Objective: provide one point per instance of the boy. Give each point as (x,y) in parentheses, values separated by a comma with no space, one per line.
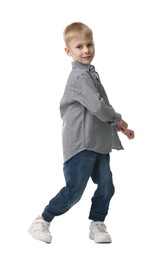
(90,126)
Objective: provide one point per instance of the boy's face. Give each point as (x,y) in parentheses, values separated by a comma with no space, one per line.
(81,50)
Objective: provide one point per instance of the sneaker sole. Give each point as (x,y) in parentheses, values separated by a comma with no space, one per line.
(106,240)
(48,241)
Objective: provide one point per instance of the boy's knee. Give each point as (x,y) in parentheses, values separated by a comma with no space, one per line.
(111,191)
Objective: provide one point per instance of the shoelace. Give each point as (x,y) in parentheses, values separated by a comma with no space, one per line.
(101,227)
(45,227)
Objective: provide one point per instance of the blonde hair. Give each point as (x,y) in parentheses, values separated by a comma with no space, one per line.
(76,29)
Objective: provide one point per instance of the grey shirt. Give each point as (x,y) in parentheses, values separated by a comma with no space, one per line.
(89,121)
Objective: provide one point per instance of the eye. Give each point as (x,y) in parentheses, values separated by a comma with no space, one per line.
(78,46)
(90,44)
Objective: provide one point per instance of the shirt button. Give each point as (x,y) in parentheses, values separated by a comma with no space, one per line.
(91,67)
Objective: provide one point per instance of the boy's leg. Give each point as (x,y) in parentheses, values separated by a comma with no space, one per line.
(77,171)
(102,176)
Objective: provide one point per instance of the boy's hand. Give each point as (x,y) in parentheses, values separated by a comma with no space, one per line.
(129,133)
(122,126)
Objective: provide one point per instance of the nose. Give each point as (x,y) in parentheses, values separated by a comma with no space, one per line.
(86,49)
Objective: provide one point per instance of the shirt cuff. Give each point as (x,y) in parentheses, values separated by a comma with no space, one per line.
(117,119)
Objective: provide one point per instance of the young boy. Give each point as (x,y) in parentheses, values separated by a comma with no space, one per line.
(90,126)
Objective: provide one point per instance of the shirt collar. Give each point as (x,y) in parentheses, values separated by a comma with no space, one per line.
(87,67)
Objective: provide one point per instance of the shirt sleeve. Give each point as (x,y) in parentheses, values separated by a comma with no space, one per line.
(87,94)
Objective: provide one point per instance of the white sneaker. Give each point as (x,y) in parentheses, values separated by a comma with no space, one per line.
(98,232)
(40,230)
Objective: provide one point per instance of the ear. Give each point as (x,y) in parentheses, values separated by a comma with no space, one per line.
(68,52)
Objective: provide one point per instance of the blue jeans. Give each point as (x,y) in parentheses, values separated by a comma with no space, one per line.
(77,172)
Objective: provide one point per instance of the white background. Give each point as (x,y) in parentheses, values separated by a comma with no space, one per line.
(130,39)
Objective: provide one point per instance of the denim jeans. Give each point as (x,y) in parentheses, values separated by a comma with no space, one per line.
(77,171)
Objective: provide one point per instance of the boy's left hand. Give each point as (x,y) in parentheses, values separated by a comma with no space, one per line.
(129,133)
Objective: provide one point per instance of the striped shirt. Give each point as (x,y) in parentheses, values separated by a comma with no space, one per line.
(89,121)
